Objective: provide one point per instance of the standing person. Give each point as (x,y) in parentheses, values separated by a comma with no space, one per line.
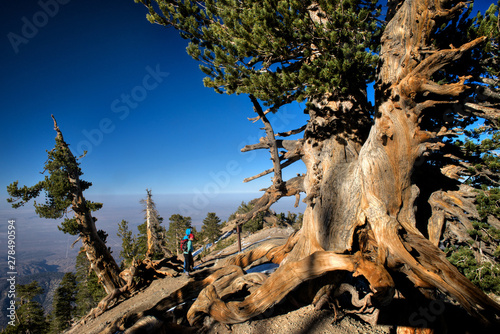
(191,250)
(188,253)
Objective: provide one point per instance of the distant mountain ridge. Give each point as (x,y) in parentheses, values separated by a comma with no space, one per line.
(47,275)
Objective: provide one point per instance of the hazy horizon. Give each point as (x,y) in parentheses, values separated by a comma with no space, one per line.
(37,237)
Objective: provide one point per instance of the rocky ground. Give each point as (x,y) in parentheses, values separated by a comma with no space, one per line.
(296,321)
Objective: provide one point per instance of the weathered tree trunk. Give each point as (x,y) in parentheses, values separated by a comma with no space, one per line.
(360,214)
(98,254)
(116,283)
(396,141)
(360,196)
(332,142)
(149,224)
(154,243)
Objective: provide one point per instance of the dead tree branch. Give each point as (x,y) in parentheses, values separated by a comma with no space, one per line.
(273,147)
(270,170)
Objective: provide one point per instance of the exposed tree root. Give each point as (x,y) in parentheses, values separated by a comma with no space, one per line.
(147,270)
(323,295)
(426,266)
(230,269)
(432,267)
(267,250)
(153,266)
(413,330)
(284,280)
(147,324)
(264,292)
(404,249)
(366,310)
(185,294)
(220,294)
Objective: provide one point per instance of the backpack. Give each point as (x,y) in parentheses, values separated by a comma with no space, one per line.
(184,245)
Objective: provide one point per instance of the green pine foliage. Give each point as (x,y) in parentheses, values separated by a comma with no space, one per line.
(485,275)
(480,148)
(176,231)
(64,304)
(211,228)
(278,51)
(479,258)
(89,291)
(142,238)
(291,219)
(30,314)
(58,191)
(136,246)
(130,246)
(487,25)
(287,220)
(254,224)
(297,225)
(488,202)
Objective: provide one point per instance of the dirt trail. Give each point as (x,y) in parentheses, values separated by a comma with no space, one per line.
(302,320)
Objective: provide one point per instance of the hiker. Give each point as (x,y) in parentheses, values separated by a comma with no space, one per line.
(188,253)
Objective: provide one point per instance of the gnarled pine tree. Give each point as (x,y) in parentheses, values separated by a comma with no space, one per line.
(64,193)
(368,168)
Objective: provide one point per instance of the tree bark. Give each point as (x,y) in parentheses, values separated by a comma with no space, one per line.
(149,225)
(332,142)
(388,157)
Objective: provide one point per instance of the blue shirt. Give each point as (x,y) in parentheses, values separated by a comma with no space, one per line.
(189,247)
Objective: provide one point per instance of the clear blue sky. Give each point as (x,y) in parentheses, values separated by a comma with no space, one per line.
(126,91)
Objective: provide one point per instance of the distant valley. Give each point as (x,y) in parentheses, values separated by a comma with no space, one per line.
(44,254)
(48,276)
